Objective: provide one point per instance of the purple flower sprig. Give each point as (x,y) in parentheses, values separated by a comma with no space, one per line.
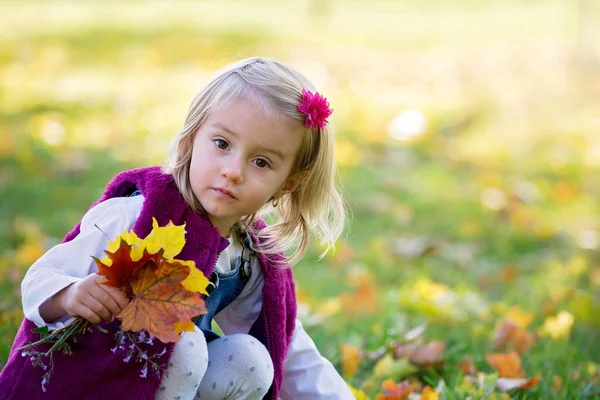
(132,344)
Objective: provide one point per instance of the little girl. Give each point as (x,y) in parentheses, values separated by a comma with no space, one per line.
(255,142)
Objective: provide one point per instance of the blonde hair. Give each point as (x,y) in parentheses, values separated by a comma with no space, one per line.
(316,205)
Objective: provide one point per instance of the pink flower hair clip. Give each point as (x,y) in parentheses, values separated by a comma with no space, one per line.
(316,108)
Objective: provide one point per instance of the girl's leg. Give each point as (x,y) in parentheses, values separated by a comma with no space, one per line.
(239,367)
(186,368)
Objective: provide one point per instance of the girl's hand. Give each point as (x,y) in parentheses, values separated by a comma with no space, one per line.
(92,300)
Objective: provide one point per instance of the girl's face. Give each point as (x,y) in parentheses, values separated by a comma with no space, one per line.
(241,159)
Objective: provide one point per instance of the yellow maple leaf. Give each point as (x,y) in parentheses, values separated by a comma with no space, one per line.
(559,326)
(170,238)
(137,248)
(359,394)
(350,360)
(196,281)
(429,394)
(518,316)
(183,326)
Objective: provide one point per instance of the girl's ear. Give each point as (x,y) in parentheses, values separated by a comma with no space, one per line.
(291,184)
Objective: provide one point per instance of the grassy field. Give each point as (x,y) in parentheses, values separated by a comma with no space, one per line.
(468,147)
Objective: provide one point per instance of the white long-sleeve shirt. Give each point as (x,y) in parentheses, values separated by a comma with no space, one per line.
(307,375)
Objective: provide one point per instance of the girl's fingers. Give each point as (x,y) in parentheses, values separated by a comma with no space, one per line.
(105,299)
(84,312)
(117,296)
(97,307)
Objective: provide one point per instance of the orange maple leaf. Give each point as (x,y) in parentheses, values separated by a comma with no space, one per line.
(119,273)
(393,391)
(160,300)
(531,383)
(507,365)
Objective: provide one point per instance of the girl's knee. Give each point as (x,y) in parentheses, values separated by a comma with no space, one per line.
(240,367)
(187,367)
(256,361)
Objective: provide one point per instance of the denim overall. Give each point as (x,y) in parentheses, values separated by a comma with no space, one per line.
(224,287)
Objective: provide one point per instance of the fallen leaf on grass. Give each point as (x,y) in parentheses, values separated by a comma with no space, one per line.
(557,383)
(389,368)
(468,367)
(363,299)
(506,384)
(507,365)
(359,394)
(510,336)
(518,316)
(429,394)
(394,391)
(559,326)
(350,360)
(423,355)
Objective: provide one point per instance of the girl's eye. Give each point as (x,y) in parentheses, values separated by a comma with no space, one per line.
(260,163)
(221,144)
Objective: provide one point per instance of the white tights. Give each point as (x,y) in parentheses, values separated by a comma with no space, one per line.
(232,367)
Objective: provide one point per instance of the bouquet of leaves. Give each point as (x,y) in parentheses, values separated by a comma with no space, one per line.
(164,294)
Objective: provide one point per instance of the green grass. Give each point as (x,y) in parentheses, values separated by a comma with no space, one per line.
(87,93)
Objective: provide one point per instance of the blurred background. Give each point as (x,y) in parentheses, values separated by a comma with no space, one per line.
(468,138)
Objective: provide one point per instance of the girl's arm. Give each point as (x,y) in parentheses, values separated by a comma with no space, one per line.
(72,261)
(308,375)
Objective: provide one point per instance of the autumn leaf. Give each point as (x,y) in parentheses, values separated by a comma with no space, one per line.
(507,365)
(559,326)
(393,391)
(363,299)
(557,383)
(468,367)
(518,317)
(531,383)
(509,336)
(164,293)
(160,301)
(387,366)
(184,326)
(359,394)
(423,355)
(170,238)
(350,360)
(132,240)
(196,280)
(429,394)
(121,266)
(506,384)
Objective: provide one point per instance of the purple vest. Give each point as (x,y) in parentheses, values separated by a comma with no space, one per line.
(93,371)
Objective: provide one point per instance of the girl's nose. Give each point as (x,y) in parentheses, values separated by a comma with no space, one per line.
(233,172)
